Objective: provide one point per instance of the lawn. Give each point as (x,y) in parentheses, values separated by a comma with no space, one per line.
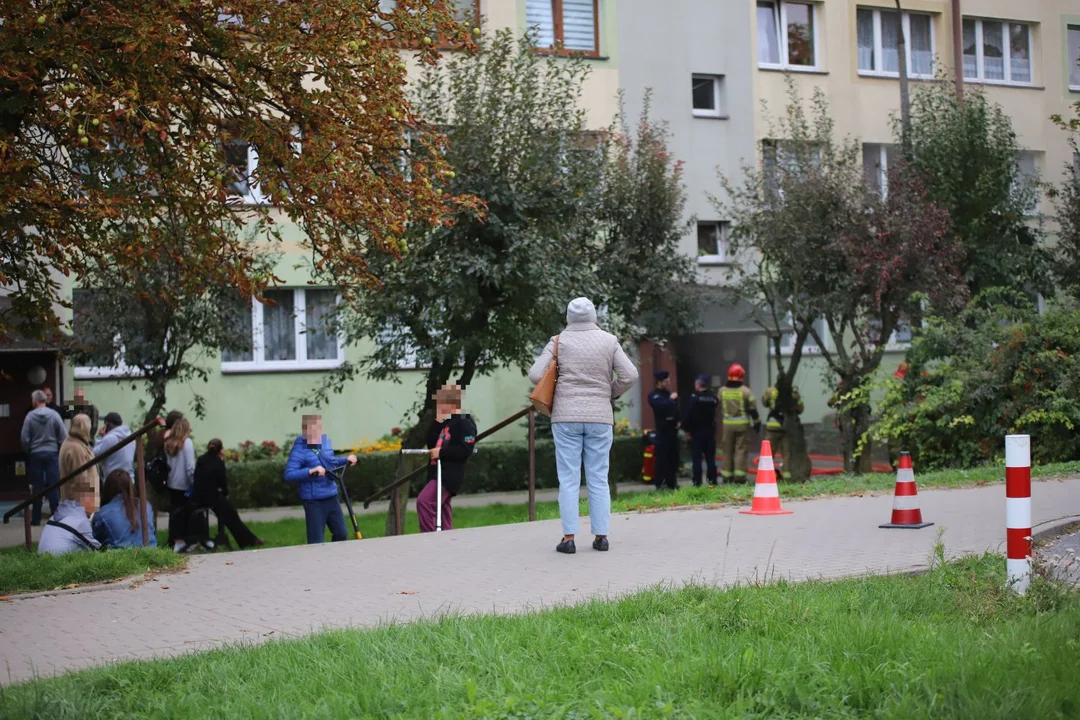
(22,571)
(951,643)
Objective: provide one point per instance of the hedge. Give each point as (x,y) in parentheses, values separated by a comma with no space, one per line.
(499,467)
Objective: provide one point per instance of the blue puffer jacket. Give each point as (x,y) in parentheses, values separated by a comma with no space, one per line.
(301,460)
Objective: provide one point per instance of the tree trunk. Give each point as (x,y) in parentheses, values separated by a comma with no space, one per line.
(799,464)
(854,424)
(399,498)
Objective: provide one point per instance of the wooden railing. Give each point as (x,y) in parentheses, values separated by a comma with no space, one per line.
(140,474)
(527,412)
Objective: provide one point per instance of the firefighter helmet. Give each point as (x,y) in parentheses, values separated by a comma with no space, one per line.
(736,372)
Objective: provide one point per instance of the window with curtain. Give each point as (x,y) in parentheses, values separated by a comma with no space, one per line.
(1074,56)
(712,241)
(569,25)
(878,33)
(787,35)
(996,51)
(293,330)
(876,161)
(1028,178)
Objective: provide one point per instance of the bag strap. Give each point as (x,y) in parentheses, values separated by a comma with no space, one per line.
(73,531)
(555,355)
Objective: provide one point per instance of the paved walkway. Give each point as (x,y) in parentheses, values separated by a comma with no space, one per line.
(256,595)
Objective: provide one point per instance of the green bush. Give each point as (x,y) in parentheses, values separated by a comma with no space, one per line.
(998,368)
(499,467)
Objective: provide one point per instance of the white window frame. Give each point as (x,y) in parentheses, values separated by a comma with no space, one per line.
(1072,60)
(883,166)
(259,363)
(254,195)
(787,339)
(720,258)
(119,370)
(1006,40)
(781,37)
(879,49)
(718,109)
(1036,209)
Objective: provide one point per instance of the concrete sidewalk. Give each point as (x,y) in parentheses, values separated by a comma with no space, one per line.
(253,596)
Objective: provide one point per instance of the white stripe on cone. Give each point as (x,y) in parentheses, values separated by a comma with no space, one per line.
(765,463)
(1018,513)
(905,502)
(766,490)
(1017,451)
(905,475)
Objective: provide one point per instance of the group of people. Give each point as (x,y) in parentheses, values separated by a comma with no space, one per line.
(738,410)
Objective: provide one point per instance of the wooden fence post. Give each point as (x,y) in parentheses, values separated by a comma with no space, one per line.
(140,474)
(532,464)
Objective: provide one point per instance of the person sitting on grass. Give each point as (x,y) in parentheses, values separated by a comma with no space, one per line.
(211,490)
(451,439)
(69,527)
(118,524)
(307,467)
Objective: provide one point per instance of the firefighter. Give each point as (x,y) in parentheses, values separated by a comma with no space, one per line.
(738,407)
(775,430)
(666,413)
(700,425)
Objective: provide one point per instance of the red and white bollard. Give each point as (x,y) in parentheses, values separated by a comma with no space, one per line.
(1018,511)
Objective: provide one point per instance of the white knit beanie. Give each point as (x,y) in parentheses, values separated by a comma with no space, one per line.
(580,310)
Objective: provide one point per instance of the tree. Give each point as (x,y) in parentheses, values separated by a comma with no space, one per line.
(647,284)
(1066,199)
(968,154)
(113,111)
(163,336)
(787,216)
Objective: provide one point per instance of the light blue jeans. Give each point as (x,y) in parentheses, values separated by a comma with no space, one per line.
(587,444)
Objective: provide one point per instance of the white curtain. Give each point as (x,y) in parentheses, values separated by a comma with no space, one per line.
(767,34)
(279,326)
(321,340)
(241,323)
(922,54)
(540,18)
(971,60)
(1019,53)
(1074,56)
(993,51)
(890,49)
(579,25)
(865,32)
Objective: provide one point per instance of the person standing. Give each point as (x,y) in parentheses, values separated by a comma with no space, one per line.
(700,425)
(665,407)
(739,407)
(180,451)
(75,452)
(113,431)
(451,440)
(307,467)
(593,372)
(42,435)
(775,428)
(211,489)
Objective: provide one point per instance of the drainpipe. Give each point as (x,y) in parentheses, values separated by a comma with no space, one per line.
(958,47)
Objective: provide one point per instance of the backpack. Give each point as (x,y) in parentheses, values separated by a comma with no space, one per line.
(157,470)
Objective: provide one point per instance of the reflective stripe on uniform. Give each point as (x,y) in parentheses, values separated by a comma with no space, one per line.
(774,425)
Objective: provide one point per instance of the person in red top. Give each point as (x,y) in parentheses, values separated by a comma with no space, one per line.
(451,440)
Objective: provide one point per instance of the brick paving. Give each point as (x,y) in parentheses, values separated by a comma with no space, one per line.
(250,597)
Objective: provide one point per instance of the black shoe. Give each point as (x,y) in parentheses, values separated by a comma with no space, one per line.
(600,543)
(35,524)
(566,546)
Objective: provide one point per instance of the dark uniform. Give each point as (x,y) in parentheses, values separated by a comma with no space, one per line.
(666,414)
(701,426)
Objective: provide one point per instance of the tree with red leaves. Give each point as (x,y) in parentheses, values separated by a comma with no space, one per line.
(120,119)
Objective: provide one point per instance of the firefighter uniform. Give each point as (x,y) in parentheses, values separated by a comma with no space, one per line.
(738,407)
(701,426)
(666,413)
(775,431)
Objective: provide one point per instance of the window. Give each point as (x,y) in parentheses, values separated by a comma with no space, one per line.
(1028,179)
(706,91)
(997,51)
(899,339)
(465,11)
(292,331)
(103,362)
(712,242)
(570,25)
(810,347)
(786,35)
(878,42)
(1074,57)
(876,162)
(242,158)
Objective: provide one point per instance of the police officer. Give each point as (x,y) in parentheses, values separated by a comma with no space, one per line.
(700,425)
(666,414)
(738,406)
(775,431)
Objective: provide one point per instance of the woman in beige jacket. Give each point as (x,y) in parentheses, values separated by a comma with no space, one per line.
(76,451)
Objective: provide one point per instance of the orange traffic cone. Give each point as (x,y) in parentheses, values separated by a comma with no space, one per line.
(766,494)
(905,509)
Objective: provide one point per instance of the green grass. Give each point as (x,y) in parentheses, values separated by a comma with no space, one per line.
(948,644)
(22,571)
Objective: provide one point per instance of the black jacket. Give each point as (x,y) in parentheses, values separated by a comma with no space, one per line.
(211,480)
(701,413)
(665,412)
(458,438)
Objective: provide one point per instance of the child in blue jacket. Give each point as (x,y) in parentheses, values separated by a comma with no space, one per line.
(308,466)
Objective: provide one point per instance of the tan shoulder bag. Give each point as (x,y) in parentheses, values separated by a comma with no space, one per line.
(543,395)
